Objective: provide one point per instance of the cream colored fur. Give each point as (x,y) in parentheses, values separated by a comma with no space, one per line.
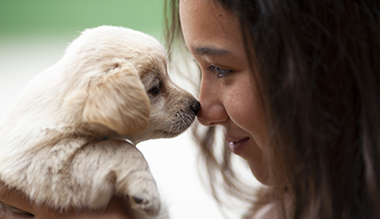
(64,145)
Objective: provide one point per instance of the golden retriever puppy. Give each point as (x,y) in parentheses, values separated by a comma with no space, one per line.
(63,143)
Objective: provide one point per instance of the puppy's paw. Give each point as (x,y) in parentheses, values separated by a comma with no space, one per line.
(144,196)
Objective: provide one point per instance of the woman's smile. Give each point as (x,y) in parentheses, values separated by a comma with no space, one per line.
(237,144)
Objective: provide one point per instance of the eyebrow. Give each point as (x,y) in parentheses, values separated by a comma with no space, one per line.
(210,51)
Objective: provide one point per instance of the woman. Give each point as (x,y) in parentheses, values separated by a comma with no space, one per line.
(294,86)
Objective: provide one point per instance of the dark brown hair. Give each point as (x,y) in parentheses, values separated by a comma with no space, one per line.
(318,67)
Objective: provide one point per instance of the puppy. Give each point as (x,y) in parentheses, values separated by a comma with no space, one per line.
(63,143)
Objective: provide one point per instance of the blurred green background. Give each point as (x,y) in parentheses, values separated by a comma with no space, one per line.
(37,17)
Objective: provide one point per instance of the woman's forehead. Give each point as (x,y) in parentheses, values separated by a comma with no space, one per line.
(213,11)
(206,24)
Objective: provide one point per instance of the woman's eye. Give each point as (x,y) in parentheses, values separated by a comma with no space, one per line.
(154,91)
(220,71)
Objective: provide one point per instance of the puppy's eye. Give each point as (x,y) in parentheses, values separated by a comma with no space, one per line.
(155,91)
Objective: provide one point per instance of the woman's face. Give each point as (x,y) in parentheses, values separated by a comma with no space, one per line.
(228,93)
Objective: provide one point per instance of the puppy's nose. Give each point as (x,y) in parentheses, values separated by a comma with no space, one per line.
(196,106)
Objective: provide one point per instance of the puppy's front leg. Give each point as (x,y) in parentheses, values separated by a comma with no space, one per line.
(115,166)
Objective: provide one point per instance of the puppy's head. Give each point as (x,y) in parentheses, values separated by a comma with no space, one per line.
(120,79)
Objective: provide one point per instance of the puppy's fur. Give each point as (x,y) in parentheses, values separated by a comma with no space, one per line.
(63,143)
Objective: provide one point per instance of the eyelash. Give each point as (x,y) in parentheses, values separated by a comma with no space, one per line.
(221,72)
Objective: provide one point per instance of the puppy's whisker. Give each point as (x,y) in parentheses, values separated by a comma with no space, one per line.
(171,127)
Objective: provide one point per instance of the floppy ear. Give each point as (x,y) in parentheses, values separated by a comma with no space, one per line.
(118,100)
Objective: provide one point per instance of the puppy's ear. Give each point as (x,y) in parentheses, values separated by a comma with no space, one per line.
(118,100)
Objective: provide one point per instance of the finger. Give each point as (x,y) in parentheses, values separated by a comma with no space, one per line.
(116,209)
(15,198)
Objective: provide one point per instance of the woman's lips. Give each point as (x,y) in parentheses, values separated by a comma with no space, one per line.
(237,146)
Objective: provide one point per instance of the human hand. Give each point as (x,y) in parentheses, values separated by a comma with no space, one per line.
(117,208)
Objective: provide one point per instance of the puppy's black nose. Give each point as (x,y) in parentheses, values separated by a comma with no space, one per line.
(196,106)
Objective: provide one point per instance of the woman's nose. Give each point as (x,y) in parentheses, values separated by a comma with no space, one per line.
(212,110)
